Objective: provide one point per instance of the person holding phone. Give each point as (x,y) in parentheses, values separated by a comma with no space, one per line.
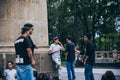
(54,51)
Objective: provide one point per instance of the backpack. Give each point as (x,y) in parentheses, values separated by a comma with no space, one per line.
(45,76)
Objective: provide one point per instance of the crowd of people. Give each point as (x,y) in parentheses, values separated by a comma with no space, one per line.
(24,48)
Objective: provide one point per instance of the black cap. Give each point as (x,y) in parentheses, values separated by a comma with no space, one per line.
(55,38)
(28,25)
(25,29)
(69,37)
(88,35)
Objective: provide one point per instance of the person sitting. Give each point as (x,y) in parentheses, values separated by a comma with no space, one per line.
(10,73)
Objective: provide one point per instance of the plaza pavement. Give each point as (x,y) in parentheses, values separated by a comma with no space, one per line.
(98,72)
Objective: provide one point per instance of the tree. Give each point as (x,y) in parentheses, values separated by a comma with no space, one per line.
(76,17)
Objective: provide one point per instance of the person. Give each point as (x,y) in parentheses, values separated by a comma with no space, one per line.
(0,75)
(10,73)
(70,57)
(29,37)
(109,75)
(24,56)
(89,57)
(54,50)
(33,46)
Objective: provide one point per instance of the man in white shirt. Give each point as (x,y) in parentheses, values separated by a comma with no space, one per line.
(10,73)
(54,50)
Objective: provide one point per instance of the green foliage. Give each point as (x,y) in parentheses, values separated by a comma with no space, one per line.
(76,17)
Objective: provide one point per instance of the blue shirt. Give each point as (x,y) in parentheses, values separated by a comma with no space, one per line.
(71,52)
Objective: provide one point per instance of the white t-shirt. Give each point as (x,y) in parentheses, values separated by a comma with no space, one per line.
(54,47)
(10,74)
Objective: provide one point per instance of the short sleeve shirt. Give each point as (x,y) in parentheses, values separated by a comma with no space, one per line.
(10,74)
(71,52)
(32,44)
(90,52)
(21,45)
(54,47)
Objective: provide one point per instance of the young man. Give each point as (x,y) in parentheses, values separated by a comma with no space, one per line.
(31,31)
(54,50)
(70,57)
(33,46)
(24,56)
(89,57)
(10,73)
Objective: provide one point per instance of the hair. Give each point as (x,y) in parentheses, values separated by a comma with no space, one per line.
(88,35)
(10,62)
(69,37)
(24,29)
(109,75)
(55,38)
(28,25)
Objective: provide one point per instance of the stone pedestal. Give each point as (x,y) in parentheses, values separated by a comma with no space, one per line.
(13,15)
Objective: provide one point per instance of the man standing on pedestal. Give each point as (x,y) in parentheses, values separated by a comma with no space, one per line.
(24,56)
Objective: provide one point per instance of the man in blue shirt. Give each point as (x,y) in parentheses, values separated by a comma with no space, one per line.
(70,57)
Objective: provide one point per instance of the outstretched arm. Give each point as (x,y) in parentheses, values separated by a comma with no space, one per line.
(76,50)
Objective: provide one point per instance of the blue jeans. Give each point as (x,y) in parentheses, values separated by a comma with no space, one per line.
(24,72)
(89,72)
(70,70)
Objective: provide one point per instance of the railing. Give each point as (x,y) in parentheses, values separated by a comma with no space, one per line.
(100,57)
(107,56)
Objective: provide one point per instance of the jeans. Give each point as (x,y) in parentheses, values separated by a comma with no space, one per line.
(58,67)
(88,72)
(70,70)
(24,72)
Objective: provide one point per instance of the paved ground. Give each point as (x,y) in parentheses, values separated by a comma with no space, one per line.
(97,73)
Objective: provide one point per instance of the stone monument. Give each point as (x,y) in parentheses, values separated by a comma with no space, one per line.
(13,15)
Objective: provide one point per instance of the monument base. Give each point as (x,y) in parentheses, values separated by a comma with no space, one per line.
(44,63)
